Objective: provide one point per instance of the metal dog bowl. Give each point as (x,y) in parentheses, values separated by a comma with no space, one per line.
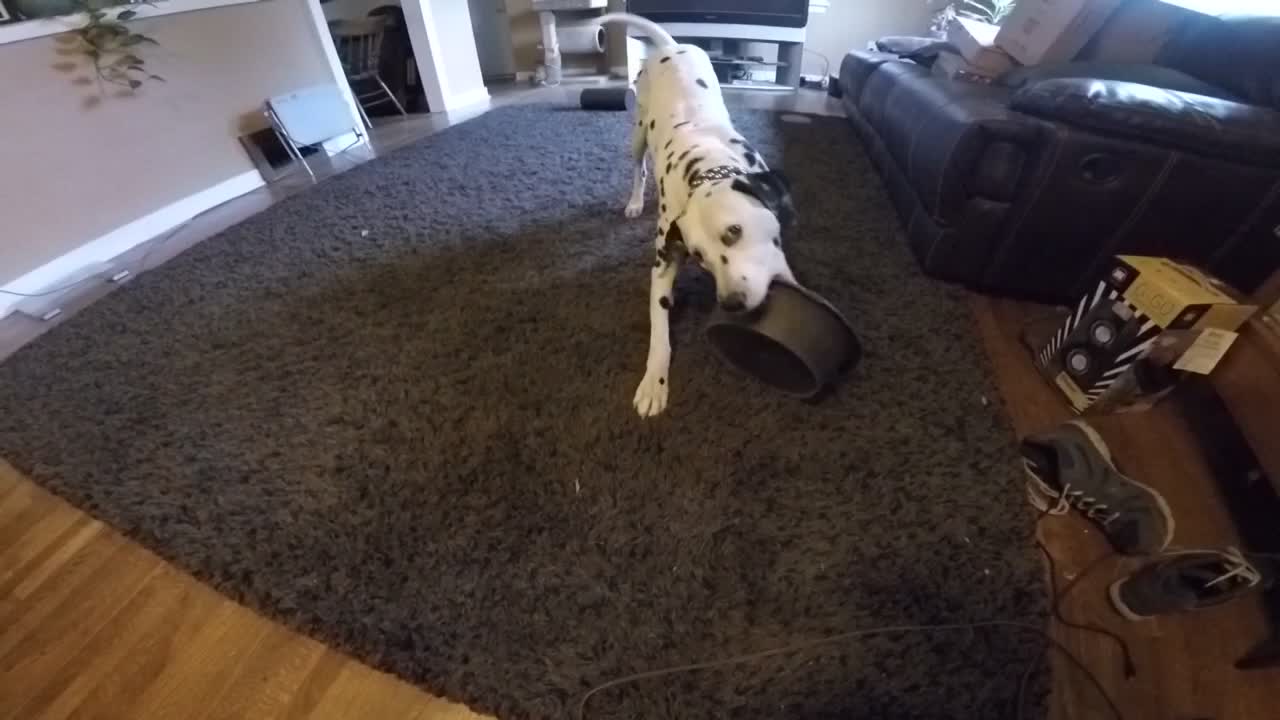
(796,341)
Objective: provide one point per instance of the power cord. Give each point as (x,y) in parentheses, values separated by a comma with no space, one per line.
(826,69)
(155,244)
(1056,598)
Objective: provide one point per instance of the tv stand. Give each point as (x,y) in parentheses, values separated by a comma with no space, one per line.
(723,42)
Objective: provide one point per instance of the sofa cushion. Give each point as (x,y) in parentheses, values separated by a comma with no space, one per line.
(1241,54)
(903,44)
(1142,74)
(857,66)
(1204,125)
(953,141)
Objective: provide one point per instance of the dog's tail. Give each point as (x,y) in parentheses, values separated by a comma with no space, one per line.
(650,28)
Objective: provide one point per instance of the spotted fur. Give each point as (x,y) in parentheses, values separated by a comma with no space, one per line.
(682,121)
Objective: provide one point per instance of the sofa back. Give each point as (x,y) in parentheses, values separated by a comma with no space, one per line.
(1241,54)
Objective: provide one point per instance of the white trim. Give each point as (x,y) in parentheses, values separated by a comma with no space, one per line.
(42,27)
(106,248)
(467,99)
(342,143)
(454,80)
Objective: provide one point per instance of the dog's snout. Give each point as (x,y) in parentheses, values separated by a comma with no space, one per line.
(734,302)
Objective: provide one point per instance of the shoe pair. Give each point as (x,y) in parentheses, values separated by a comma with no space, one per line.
(1070,468)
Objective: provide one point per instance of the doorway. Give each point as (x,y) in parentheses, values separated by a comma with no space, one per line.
(492,27)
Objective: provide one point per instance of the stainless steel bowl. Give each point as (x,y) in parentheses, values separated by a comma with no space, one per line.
(796,341)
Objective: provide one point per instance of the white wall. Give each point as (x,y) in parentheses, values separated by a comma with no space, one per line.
(851,24)
(70,173)
(444,45)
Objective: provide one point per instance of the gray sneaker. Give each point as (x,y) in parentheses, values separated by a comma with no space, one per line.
(1185,580)
(1070,468)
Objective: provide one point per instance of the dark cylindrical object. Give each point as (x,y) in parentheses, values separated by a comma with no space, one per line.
(796,342)
(608,98)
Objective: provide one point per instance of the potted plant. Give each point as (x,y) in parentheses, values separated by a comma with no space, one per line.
(988,11)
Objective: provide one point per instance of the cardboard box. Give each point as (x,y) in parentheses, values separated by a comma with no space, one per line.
(1052,31)
(1145,325)
(976,42)
(953,67)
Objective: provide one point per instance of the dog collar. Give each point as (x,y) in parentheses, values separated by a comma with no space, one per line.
(719,172)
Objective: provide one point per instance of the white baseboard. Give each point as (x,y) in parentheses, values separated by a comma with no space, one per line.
(466,99)
(107,247)
(342,143)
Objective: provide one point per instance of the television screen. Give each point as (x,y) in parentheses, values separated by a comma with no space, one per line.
(779,13)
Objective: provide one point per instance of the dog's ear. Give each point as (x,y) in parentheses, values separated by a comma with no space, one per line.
(772,190)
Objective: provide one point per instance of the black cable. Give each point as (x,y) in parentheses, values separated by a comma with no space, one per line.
(1056,597)
(1055,606)
(968,627)
(809,644)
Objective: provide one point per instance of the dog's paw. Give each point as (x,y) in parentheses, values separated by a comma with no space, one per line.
(651,396)
(634,209)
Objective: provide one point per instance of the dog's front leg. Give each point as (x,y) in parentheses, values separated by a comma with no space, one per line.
(651,396)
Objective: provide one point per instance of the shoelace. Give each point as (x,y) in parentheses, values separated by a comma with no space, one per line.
(1238,567)
(1092,509)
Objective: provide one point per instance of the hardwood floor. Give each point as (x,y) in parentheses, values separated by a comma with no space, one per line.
(1184,663)
(94,626)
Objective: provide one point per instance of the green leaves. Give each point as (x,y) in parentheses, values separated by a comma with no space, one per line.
(988,11)
(109,44)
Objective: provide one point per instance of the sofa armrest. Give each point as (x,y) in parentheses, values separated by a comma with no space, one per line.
(903,44)
(1209,126)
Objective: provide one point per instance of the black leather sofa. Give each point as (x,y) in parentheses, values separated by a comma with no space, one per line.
(1027,186)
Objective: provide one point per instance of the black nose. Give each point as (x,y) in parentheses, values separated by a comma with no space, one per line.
(737,302)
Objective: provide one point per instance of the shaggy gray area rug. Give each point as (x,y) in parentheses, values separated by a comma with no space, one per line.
(395,412)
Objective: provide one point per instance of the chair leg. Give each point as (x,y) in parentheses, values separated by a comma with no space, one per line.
(289,145)
(363,115)
(390,94)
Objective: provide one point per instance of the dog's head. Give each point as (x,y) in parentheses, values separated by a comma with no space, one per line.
(734,230)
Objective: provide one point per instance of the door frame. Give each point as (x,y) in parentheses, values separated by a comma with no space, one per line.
(419,17)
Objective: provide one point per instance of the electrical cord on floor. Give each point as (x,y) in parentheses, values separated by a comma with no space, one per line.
(1130,669)
(826,70)
(141,265)
(1024,680)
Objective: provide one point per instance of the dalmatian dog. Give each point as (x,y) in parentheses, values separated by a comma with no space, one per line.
(718,202)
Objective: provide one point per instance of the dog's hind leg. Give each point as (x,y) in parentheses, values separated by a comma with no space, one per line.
(635,205)
(651,395)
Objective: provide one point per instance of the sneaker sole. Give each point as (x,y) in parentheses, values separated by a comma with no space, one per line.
(1040,495)
(1113,593)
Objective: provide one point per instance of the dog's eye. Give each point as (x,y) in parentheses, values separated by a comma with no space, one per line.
(731,235)
(735,230)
